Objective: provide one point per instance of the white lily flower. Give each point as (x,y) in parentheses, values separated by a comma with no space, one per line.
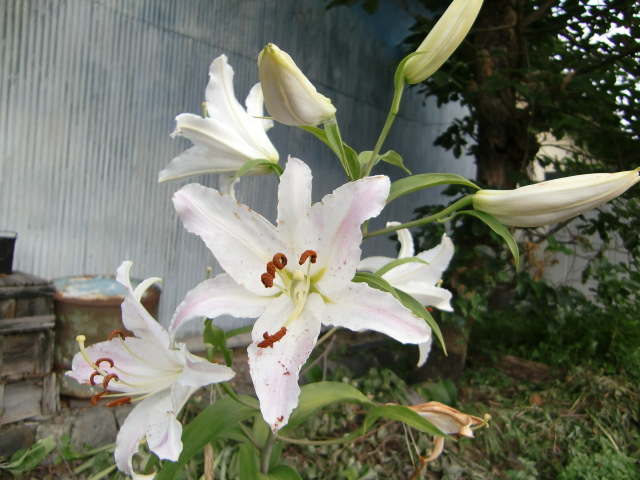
(228,136)
(288,94)
(554,200)
(446,35)
(419,279)
(148,369)
(295,276)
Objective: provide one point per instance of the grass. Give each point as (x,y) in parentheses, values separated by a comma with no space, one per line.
(571,423)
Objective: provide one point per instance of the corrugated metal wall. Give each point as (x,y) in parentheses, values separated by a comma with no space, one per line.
(89,90)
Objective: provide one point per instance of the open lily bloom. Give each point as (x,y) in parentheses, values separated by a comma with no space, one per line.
(229,136)
(295,276)
(419,278)
(145,368)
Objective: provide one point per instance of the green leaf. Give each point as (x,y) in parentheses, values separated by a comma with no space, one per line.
(277,169)
(281,472)
(425,180)
(400,261)
(347,155)
(215,336)
(238,331)
(248,467)
(210,423)
(404,415)
(420,311)
(394,158)
(497,227)
(24,461)
(391,157)
(375,281)
(316,396)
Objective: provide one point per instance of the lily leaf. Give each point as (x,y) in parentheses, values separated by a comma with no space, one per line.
(24,461)
(421,311)
(277,169)
(248,467)
(400,261)
(404,415)
(347,155)
(375,281)
(316,396)
(426,180)
(216,337)
(391,157)
(281,472)
(211,422)
(499,228)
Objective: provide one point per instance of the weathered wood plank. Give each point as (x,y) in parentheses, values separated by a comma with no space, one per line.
(24,324)
(26,399)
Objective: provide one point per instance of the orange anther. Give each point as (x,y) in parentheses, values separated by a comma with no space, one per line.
(271,269)
(269,340)
(310,254)
(119,401)
(96,398)
(92,376)
(108,360)
(280,261)
(267,279)
(108,378)
(119,333)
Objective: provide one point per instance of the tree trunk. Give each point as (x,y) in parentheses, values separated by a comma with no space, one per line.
(505,144)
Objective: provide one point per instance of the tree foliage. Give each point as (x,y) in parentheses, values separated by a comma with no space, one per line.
(535,72)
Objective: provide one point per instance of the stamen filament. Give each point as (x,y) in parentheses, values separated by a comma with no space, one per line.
(81,339)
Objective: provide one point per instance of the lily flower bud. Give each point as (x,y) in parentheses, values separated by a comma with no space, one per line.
(555,200)
(289,96)
(446,35)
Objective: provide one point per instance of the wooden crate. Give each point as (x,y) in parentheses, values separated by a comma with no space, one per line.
(27,383)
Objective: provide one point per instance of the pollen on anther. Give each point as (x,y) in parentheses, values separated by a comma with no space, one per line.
(104,359)
(280,261)
(271,269)
(108,378)
(119,401)
(308,254)
(267,279)
(92,376)
(118,333)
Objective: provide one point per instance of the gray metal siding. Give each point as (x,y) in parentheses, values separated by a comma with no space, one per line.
(89,90)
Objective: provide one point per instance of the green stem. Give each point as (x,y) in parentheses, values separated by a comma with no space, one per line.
(352,437)
(265,454)
(326,336)
(393,111)
(233,394)
(463,202)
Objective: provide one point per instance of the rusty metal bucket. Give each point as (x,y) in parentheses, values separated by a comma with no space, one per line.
(89,305)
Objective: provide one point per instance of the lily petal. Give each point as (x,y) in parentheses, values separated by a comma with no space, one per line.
(275,369)
(429,295)
(131,432)
(360,307)
(294,196)
(333,228)
(241,240)
(223,107)
(163,430)
(135,317)
(255,107)
(215,297)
